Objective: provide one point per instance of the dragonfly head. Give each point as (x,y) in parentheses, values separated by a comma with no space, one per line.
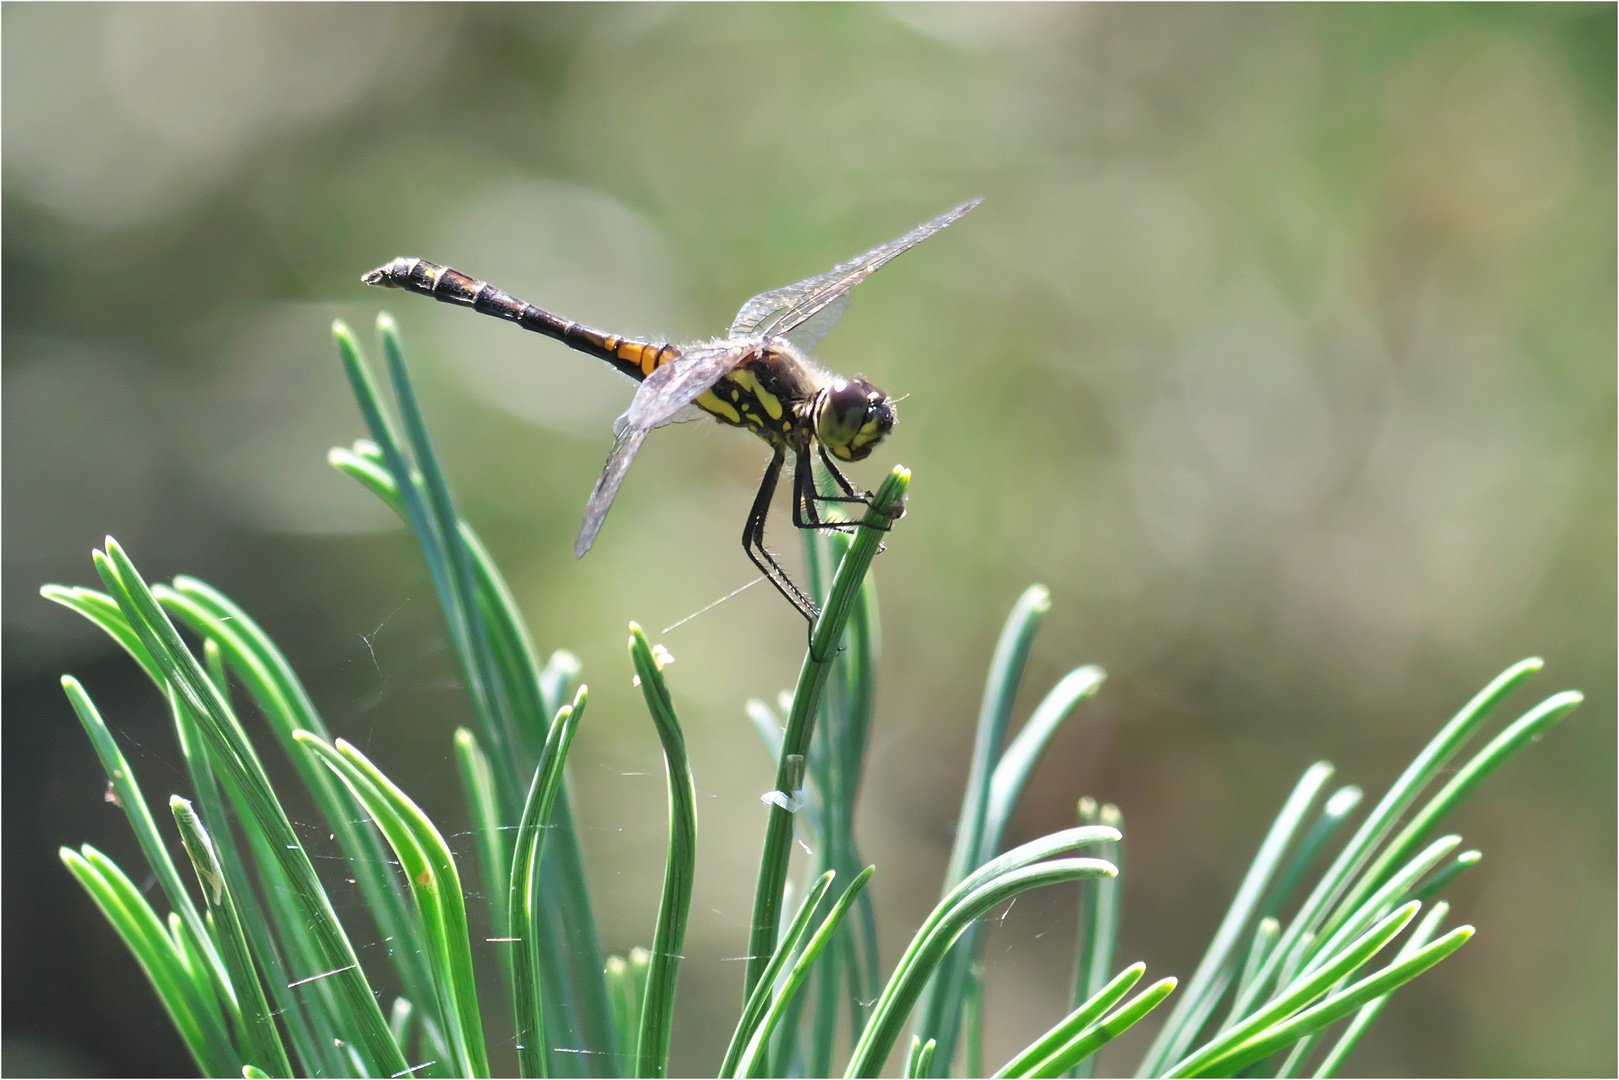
(851,418)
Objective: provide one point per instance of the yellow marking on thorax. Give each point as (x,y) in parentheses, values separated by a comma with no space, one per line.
(711,402)
(750,383)
(770,401)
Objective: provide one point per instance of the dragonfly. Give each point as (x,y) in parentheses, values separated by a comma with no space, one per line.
(759,377)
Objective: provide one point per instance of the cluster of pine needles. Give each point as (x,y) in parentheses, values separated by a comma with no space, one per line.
(260,976)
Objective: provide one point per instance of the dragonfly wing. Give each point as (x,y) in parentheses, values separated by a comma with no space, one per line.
(601,497)
(663,398)
(682,381)
(686,415)
(781,311)
(808,334)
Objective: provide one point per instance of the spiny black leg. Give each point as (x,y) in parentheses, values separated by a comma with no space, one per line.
(753,542)
(842,481)
(805,514)
(804,499)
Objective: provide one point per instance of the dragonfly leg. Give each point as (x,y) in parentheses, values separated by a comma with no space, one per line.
(753,542)
(805,496)
(842,481)
(849,496)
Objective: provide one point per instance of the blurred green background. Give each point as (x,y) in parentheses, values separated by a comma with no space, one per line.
(1282,349)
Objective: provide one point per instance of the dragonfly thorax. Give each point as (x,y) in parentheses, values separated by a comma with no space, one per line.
(786,400)
(769,394)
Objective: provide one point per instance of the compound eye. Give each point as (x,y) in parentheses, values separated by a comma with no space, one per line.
(842,413)
(854,417)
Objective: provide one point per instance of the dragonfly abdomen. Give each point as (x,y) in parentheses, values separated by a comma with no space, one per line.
(637,359)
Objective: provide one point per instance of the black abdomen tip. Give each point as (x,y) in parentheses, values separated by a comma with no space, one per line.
(387,276)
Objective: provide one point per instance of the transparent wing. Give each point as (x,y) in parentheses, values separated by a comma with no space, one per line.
(822,299)
(686,415)
(601,496)
(663,398)
(808,334)
(681,381)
